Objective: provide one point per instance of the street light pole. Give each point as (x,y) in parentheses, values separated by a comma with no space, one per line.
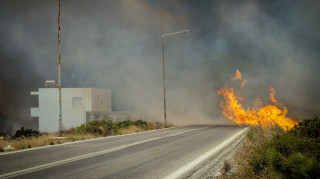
(59,72)
(164,77)
(164,85)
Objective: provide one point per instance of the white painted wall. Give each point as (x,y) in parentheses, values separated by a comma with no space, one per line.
(75,102)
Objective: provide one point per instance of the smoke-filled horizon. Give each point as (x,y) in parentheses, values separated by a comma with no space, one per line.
(116,44)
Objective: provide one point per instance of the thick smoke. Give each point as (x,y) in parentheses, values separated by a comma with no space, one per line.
(116,45)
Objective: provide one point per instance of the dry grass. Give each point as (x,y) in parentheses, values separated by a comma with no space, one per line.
(130,129)
(45,139)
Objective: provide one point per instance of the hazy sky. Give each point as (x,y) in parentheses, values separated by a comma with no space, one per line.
(116,44)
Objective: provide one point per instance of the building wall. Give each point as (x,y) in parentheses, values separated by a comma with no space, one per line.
(48,110)
(101,99)
(75,103)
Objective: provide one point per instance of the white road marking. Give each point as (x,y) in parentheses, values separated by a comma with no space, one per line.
(80,141)
(200,159)
(61,162)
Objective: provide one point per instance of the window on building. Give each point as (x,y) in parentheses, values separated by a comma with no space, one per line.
(77,102)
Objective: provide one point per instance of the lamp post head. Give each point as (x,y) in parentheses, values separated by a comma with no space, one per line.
(174,33)
(186,31)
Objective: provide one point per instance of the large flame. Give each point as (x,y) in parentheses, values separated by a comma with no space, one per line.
(267,116)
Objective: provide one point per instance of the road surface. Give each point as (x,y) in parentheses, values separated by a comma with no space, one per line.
(153,154)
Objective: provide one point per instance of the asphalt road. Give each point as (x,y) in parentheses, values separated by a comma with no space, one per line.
(153,154)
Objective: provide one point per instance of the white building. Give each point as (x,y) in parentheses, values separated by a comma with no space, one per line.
(76,102)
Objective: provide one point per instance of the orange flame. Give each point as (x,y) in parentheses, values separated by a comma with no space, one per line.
(273,92)
(238,76)
(267,116)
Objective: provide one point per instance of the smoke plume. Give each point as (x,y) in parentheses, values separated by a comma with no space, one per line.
(116,44)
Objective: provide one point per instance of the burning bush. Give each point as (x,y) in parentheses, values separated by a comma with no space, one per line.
(267,116)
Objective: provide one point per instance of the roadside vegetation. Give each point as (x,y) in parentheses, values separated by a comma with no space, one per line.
(27,138)
(274,153)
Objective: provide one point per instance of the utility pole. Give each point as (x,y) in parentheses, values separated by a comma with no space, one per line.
(59,72)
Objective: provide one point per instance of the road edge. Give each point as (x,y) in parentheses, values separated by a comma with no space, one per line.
(189,169)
